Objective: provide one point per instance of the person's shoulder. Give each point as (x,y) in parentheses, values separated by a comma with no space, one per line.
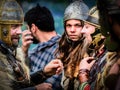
(58,36)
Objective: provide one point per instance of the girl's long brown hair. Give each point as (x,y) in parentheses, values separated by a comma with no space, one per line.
(71,54)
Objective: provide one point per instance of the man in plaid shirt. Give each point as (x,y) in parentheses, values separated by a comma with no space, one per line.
(42,32)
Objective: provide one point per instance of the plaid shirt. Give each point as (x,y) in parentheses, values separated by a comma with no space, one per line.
(41,55)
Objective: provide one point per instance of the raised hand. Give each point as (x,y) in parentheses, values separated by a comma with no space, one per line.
(26,40)
(86,63)
(53,67)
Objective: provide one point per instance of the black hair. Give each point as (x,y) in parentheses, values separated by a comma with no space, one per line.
(41,17)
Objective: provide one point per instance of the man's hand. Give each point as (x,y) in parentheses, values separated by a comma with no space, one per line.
(53,67)
(44,86)
(87,63)
(84,68)
(26,40)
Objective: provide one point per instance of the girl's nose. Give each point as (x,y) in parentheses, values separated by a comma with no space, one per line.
(72,29)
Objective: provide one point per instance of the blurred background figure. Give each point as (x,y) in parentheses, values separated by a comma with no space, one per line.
(109,11)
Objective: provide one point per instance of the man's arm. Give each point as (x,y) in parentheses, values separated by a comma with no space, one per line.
(53,67)
(42,86)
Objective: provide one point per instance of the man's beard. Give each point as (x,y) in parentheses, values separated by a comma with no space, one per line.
(15,42)
(35,41)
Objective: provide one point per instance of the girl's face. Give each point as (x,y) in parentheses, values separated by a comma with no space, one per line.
(73,29)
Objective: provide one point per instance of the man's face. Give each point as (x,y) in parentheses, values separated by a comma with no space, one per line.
(15,34)
(115,24)
(87,30)
(32,29)
(73,29)
(116,28)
